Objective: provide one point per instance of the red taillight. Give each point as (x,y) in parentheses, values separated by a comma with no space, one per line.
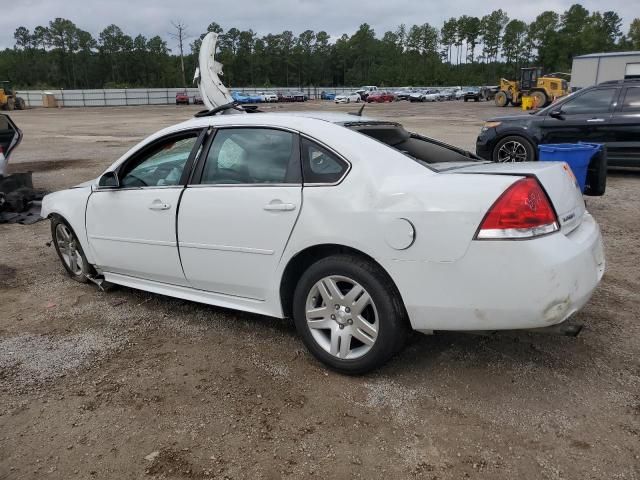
(522,211)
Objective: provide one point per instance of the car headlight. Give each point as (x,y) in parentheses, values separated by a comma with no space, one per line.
(488,125)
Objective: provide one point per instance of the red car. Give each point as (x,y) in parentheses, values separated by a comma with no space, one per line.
(381,96)
(182,98)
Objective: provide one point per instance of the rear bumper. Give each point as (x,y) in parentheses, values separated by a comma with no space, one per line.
(503,285)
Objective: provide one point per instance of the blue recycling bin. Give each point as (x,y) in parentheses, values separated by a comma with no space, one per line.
(577,155)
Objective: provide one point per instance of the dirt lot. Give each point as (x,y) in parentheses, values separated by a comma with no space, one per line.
(127,384)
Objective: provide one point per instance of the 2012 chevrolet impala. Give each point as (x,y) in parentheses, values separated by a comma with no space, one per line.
(356,228)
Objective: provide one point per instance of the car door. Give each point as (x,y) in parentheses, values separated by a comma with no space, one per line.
(583,118)
(237,215)
(131,227)
(624,151)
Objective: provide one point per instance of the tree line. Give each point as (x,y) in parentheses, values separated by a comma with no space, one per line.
(465,50)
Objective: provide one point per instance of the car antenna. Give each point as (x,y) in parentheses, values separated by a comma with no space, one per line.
(226,107)
(359,112)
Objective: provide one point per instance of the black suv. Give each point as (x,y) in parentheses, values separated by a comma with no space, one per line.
(607,113)
(474,94)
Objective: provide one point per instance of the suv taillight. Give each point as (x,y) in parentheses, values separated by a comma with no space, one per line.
(522,211)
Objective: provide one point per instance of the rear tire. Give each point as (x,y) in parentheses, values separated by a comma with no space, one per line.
(379,324)
(20,105)
(70,251)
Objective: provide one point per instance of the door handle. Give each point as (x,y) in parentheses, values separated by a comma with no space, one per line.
(159,205)
(279,207)
(595,120)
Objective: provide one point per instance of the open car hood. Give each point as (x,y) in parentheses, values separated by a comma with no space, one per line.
(212,90)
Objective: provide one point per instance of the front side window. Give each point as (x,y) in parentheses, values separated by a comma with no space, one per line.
(594,101)
(251,156)
(162,165)
(319,165)
(631,99)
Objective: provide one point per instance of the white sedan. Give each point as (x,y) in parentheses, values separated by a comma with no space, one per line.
(348,98)
(268,97)
(355,227)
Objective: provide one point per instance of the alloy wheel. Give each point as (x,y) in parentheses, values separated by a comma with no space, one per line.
(342,317)
(68,247)
(512,151)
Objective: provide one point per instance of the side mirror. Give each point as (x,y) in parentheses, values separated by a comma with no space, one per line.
(10,137)
(109,180)
(556,114)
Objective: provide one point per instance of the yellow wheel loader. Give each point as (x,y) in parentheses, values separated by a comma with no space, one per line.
(542,88)
(8,98)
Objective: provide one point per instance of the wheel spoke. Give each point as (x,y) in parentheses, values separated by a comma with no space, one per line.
(65,234)
(364,331)
(73,260)
(353,294)
(318,313)
(335,342)
(321,324)
(329,290)
(361,304)
(345,344)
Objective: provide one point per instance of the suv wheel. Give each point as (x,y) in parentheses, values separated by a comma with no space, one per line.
(514,149)
(349,314)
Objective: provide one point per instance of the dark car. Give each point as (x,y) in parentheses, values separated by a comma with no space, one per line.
(474,94)
(608,113)
(182,98)
(299,96)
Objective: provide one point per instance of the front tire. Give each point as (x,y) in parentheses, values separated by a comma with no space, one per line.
(539,99)
(501,99)
(514,148)
(70,251)
(349,314)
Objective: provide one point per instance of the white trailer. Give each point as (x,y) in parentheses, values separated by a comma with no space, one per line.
(595,68)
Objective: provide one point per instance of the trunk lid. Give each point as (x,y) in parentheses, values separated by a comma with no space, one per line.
(556,179)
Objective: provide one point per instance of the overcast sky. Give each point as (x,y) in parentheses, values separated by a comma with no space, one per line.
(153,17)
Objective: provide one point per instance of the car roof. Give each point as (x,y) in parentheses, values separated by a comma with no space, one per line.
(327,127)
(281,119)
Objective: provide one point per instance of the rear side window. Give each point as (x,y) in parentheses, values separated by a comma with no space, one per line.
(593,101)
(319,165)
(631,99)
(252,156)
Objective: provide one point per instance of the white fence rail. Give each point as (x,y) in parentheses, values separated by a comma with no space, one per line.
(140,96)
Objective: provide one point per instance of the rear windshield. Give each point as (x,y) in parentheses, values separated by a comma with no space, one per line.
(431,153)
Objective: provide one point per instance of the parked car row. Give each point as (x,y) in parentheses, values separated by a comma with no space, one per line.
(435,95)
(367,93)
(478,94)
(182,98)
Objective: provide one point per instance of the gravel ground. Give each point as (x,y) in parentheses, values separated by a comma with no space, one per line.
(126,384)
